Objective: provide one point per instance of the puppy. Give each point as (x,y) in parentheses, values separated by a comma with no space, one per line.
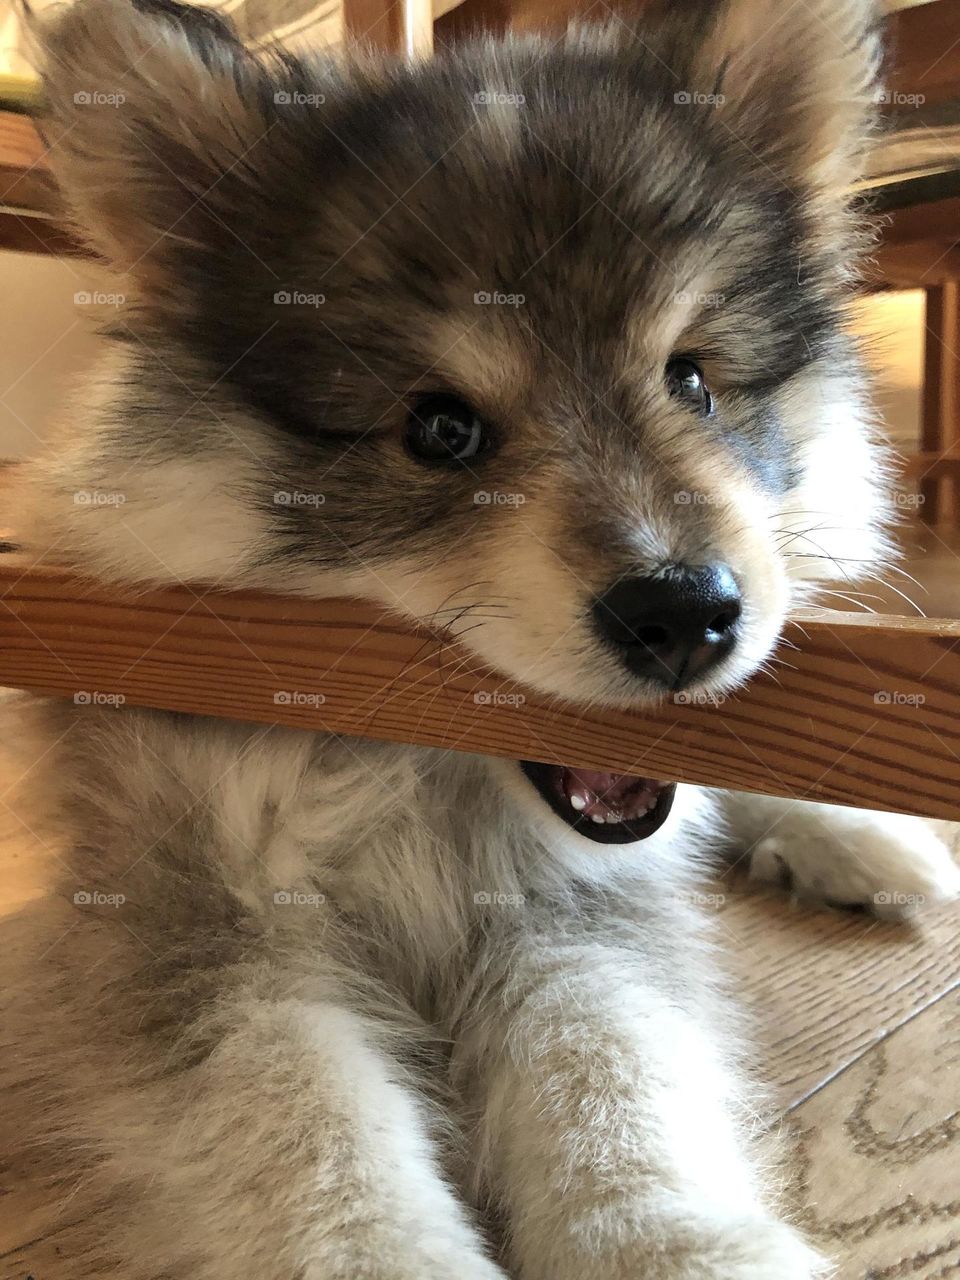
(541,341)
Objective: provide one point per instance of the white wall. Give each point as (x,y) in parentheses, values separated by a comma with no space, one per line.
(45,342)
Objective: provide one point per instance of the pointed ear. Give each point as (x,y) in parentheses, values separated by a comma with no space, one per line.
(153,110)
(796,83)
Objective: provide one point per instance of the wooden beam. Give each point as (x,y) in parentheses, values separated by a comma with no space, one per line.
(925,51)
(867,711)
(25,178)
(940,417)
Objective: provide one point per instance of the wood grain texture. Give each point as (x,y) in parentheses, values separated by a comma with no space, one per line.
(867,712)
(924,44)
(940,422)
(25,180)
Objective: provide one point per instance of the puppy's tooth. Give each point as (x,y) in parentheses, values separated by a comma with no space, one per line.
(596,817)
(578,801)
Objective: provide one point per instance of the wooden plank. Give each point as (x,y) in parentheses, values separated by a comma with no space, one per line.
(867,711)
(925,51)
(374,22)
(940,416)
(25,179)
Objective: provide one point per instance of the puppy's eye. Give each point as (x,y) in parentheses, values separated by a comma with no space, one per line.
(444,429)
(685,382)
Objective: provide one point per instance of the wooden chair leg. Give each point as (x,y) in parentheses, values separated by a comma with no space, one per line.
(940,427)
(400,26)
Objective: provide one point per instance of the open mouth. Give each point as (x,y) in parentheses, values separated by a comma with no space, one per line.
(610,808)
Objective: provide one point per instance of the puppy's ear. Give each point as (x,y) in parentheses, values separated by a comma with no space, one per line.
(155,115)
(795,83)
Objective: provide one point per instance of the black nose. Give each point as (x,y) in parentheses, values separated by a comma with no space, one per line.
(674,625)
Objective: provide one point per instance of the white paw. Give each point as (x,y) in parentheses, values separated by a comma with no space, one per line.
(682,1246)
(887,862)
(764,1250)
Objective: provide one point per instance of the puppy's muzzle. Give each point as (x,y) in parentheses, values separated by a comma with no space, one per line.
(674,626)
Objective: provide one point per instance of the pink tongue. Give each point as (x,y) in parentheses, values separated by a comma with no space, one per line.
(610,797)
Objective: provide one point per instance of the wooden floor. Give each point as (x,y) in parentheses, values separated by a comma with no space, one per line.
(857,1030)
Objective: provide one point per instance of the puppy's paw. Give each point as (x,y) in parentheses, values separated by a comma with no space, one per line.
(751,1249)
(416,1253)
(679,1246)
(755,1250)
(889,863)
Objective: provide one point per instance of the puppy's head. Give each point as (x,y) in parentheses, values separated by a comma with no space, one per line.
(543,341)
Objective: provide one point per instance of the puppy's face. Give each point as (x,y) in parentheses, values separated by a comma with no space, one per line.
(539,342)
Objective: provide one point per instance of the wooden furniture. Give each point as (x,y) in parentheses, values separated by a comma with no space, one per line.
(860,709)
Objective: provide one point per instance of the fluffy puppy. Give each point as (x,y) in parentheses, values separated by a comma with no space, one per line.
(542,340)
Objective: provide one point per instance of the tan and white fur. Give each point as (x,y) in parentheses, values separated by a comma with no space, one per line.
(311,1008)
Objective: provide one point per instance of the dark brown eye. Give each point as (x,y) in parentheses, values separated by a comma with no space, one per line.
(685,382)
(443,429)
